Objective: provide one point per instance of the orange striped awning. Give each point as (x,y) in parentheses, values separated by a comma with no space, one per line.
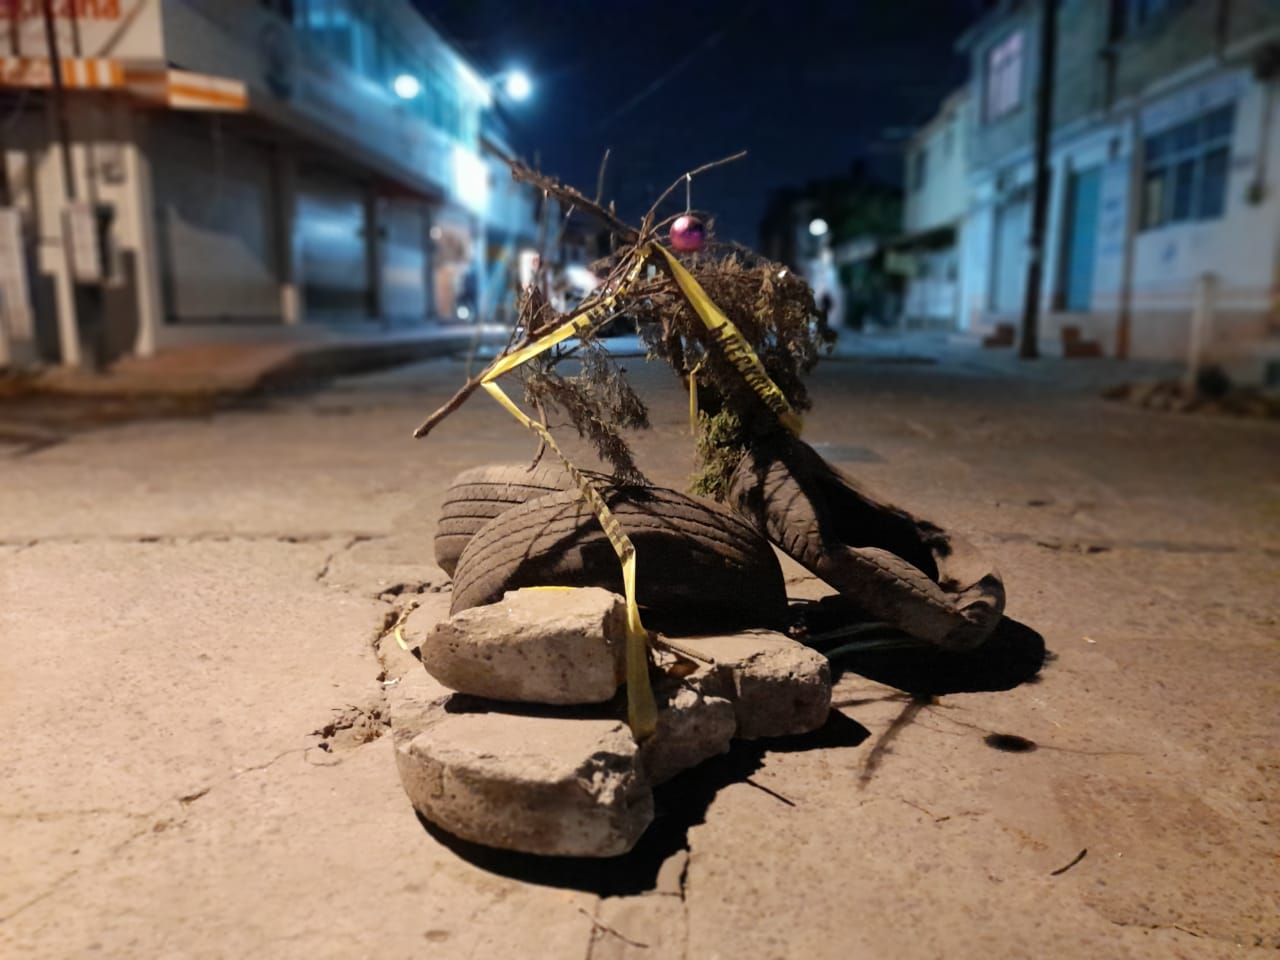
(176,89)
(77,73)
(183,90)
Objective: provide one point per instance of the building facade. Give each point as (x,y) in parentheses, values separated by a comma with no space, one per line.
(230,168)
(935,196)
(1164,203)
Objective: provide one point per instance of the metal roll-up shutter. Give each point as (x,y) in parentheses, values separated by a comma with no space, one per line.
(404,260)
(216,229)
(331,233)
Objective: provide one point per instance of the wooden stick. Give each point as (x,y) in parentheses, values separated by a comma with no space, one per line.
(457,400)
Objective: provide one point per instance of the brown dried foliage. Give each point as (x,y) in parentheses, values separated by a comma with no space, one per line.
(771,307)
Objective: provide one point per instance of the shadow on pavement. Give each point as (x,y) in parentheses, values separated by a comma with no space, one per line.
(680,804)
(1012,656)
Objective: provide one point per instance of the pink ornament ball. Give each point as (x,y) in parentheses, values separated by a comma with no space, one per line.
(688,234)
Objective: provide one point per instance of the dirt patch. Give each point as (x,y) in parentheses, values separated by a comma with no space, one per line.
(353,726)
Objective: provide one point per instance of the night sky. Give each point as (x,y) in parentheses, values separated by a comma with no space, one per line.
(806,87)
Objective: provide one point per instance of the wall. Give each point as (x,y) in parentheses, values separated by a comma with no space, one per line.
(1241,248)
(302,88)
(994,139)
(942,198)
(1079,75)
(1189,33)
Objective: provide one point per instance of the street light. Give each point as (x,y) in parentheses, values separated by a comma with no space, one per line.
(817,227)
(406,86)
(518,86)
(515,85)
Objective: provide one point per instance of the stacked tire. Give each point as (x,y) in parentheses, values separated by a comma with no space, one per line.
(701,566)
(698,565)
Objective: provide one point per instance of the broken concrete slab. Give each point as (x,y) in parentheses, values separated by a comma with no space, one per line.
(537,645)
(694,724)
(778,686)
(534,782)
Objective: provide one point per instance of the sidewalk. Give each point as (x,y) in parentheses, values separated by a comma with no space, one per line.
(211,369)
(236,368)
(959,349)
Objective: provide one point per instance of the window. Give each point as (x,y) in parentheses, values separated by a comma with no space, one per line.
(1185,175)
(919,165)
(1004,77)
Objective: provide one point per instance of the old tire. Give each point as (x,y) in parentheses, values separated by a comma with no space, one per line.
(478,495)
(696,562)
(903,570)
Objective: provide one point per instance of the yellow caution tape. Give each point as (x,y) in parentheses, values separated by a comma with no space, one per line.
(693,396)
(732,342)
(577,325)
(642,711)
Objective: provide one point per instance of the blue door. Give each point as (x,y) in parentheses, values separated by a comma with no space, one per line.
(1082,236)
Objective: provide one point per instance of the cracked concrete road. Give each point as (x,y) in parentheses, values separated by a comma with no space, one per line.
(192,687)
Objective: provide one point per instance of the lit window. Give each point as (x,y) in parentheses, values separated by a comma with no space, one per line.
(1185,175)
(1004,76)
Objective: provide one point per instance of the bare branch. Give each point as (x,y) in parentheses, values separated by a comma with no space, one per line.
(604,163)
(457,400)
(569,194)
(692,173)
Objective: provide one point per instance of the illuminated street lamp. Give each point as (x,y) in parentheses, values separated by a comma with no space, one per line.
(406,86)
(817,227)
(517,85)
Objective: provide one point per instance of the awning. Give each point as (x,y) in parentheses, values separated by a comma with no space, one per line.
(183,90)
(930,239)
(77,74)
(161,87)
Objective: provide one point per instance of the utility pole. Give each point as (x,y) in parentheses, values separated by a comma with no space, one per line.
(1029,347)
(59,101)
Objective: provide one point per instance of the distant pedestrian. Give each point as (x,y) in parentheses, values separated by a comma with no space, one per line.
(825,303)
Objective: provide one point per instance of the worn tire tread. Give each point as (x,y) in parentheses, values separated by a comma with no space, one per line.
(693,556)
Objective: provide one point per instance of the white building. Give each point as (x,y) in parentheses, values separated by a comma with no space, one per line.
(259,168)
(935,199)
(1165,177)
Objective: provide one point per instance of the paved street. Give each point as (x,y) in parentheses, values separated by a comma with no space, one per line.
(193,704)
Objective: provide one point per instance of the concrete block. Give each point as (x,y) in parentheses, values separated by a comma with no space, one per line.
(694,724)
(552,646)
(778,686)
(531,782)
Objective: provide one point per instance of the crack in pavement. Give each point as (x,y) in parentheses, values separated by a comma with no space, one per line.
(1250,940)
(684,900)
(328,561)
(54,887)
(46,815)
(183,801)
(1104,545)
